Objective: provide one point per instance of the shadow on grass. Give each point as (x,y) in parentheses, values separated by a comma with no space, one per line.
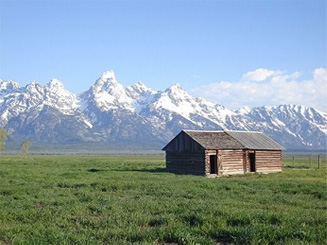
(94,170)
(155,170)
(296,167)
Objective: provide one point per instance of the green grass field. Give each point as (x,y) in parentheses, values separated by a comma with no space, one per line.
(131,199)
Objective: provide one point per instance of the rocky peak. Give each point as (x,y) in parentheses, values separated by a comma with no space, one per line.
(34,87)
(106,82)
(244,110)
(58,97)
(139,90)
(108,75)
(54,85)
(107,93)
(175,88)
(8,86)
(177,95)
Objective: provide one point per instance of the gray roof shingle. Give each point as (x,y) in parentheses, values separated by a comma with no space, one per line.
(214,139)
(255,140)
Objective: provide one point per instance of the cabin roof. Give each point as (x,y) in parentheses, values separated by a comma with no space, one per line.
(232,140)
(213,139)
(255,140)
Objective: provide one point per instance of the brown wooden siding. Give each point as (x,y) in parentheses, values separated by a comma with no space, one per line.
(185,162)
(183,142)
(232,162)
(228,161)
(268,161)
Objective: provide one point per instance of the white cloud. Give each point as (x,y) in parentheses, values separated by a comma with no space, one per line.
(259,75)
(320,74)
(280,88)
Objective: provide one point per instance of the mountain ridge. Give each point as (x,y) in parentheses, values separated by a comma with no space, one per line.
(135,115)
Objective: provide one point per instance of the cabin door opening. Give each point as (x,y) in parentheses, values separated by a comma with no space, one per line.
(213,164)
(252,162)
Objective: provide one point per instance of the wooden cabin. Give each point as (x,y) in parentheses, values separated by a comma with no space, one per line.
(217,153)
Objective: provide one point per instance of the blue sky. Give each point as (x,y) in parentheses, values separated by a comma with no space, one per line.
(202,45)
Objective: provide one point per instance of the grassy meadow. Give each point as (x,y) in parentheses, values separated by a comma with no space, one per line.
(131,199)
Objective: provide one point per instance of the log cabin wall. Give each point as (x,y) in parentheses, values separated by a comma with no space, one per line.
(183,142)
(185,162)
(268,161)
(185,156)
(228,162)
(231,162)
(245,162)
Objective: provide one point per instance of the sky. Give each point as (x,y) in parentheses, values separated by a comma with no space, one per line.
(235,53)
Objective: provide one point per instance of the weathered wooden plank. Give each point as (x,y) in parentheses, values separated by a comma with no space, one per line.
(185,162)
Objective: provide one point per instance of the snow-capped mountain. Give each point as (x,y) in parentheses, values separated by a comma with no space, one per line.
(48,114)
(292,125)
(112,110)
(136,115)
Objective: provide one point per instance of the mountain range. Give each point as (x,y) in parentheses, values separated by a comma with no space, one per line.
(112,116)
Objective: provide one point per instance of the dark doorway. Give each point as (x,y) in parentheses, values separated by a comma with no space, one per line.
(213,164)
(252,162)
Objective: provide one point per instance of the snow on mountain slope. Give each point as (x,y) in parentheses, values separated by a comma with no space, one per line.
(141,96)
(33,95)
(20,101)
(48,126)
(176,100)
(55,95)
(107,93)
(112,110)
(8,87)
(314,117)
(23,110)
